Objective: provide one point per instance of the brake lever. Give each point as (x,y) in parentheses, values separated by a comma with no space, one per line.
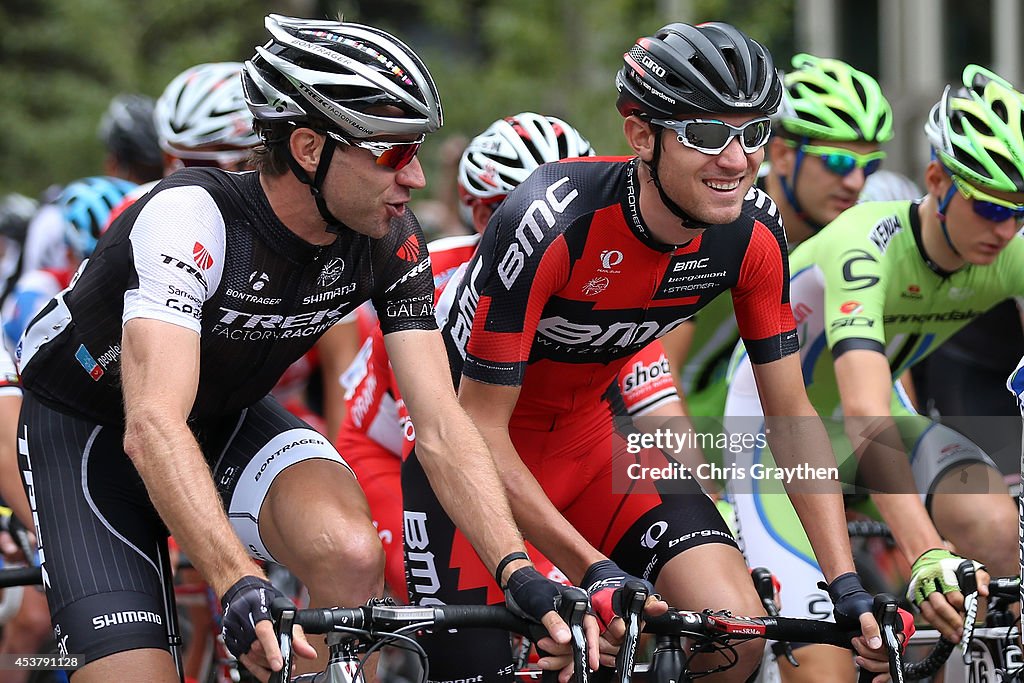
(765,588)
(967,579)
(629,602)
(886,611)
(283,611)
(573,608)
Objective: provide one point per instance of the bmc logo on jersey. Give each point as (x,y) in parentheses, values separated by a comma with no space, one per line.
(621,334)
(530,233)
(690,265)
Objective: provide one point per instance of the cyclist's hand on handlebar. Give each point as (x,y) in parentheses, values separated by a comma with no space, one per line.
(934,590)
(256,659)
(601,580)
(876,660)
(852,606)
(530,595)
(247,628)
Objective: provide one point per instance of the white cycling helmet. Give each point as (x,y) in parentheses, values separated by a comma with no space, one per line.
(505,154)
(203,108)
(334,72)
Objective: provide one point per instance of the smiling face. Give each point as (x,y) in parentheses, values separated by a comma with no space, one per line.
(709,187)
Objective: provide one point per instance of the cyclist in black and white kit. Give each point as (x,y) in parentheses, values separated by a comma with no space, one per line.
(150,373)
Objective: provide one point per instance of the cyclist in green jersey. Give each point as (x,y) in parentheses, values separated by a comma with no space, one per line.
(874,293)
(825,142)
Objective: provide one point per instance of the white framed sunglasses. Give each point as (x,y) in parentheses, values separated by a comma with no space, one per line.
(712,136)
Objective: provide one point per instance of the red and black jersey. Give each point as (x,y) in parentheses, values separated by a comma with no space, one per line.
(568,283)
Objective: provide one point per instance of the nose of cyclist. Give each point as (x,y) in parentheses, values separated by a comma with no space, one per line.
(854,180)
(732,158)
(411,175)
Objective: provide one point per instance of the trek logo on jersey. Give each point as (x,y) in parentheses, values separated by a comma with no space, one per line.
(410,249)
(416,270)
(529,233)
(596,285)
(884,231)
(187,267)
(331,273)
(201,255)
(851,308)
(89,363)
(244,326)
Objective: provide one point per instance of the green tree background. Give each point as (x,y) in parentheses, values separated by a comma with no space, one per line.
(62,61)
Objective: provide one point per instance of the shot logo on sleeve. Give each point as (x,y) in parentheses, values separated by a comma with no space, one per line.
(88,362)
(201,255)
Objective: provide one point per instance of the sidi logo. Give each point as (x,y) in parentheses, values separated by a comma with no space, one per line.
(530,233)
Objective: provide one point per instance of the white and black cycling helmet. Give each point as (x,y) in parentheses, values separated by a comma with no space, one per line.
(501,157)
(203,115)
(709,68)
(337,71)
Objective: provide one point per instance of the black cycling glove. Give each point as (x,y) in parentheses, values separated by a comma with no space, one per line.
(530,595)
(246,604)
(849,599)
(601,580)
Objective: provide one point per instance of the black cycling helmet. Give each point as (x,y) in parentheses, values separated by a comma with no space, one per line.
(128,130)
(711,68)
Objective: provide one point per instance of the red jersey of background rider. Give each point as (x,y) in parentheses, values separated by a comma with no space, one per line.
(568,283)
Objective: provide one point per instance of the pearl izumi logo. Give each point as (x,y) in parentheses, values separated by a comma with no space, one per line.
(611,258)
(331,273)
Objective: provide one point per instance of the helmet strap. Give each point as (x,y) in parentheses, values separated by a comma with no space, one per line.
(316,183)
(652,166)
(940,212)
(789,190)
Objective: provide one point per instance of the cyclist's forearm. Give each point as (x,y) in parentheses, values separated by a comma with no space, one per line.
(464,477)
(818,501)
(181,488)
(885,470)
(541,522)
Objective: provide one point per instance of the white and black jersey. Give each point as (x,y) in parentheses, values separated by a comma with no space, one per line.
(205,251)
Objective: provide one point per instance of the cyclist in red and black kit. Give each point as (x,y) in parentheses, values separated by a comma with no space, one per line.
(147,381)
(582,265)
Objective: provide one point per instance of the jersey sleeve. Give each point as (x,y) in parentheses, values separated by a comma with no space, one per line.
(855,286)
(404,289)
(177,245)
(761,294)
(521,262)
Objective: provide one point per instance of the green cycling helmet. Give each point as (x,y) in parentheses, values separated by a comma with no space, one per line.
(976,131)
(827,99)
